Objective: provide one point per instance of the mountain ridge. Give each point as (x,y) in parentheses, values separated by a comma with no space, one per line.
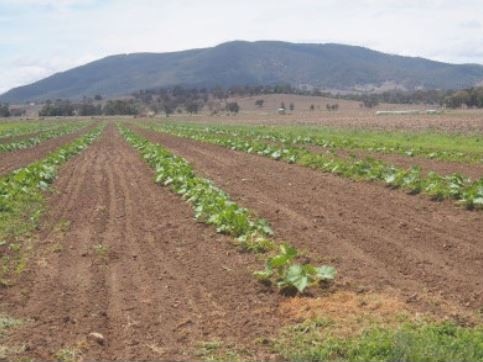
(327,66)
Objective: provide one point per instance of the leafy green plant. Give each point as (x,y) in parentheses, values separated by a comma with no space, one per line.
(14,129)
(21,196)
(255,243)
(281,147)
(431,145)
(213,206)
(287,274)
(43,136)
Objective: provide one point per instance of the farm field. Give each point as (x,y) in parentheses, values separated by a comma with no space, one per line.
(15,153)
(350,115)
(229,239)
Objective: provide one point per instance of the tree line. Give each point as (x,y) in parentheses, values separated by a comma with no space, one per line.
(7,111)
(197,98)
(189,100)
(193,100)
(4,110)
(66,108)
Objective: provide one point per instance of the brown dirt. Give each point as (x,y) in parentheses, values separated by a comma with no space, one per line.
(10,161)
(378,239)
(159,284)
(460,121)
(475,172)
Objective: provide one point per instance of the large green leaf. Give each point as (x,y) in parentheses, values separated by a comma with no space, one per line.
(325,272)
(297,277)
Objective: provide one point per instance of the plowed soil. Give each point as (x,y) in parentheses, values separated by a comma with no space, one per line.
(379,239)
(461,121)
(10,161)
(121,256)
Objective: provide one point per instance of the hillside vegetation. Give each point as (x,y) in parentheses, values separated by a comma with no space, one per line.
(324,66)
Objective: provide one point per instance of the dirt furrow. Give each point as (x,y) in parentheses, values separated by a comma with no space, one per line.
(375,236)
(10,161)
(123,257)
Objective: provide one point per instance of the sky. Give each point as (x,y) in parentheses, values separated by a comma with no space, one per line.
(42,37)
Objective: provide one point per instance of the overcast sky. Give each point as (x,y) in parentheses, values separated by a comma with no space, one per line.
(41,37)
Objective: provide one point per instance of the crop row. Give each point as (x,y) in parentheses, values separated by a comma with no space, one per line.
(213,206)
(332,140)
(43,136)
(466,192)
(25,128)
(21,195)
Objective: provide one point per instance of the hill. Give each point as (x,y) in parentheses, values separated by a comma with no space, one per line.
(325,66)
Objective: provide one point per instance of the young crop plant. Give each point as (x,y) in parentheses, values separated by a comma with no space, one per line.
(21,195)
(43,136)
(213,206)
(459,148)
(24,128)
(210,204)
(289,275)
(457,187)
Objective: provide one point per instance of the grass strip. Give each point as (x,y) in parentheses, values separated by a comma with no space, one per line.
(412,341)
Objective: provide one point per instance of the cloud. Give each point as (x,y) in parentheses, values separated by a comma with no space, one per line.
(25,70)
(48,3)
(471,24)
(53,35)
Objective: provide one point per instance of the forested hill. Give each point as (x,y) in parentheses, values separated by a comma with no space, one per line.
(324,66)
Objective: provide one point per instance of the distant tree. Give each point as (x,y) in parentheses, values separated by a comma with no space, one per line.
(220,93)
(283,89)
(88,109)
(332,107)
(98,97)
(259,103)
(370,101)
(59,108)
(458,99)
(232,107)
(192,107)
(291,106)
(120,107)
(4,110)
(168,109)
